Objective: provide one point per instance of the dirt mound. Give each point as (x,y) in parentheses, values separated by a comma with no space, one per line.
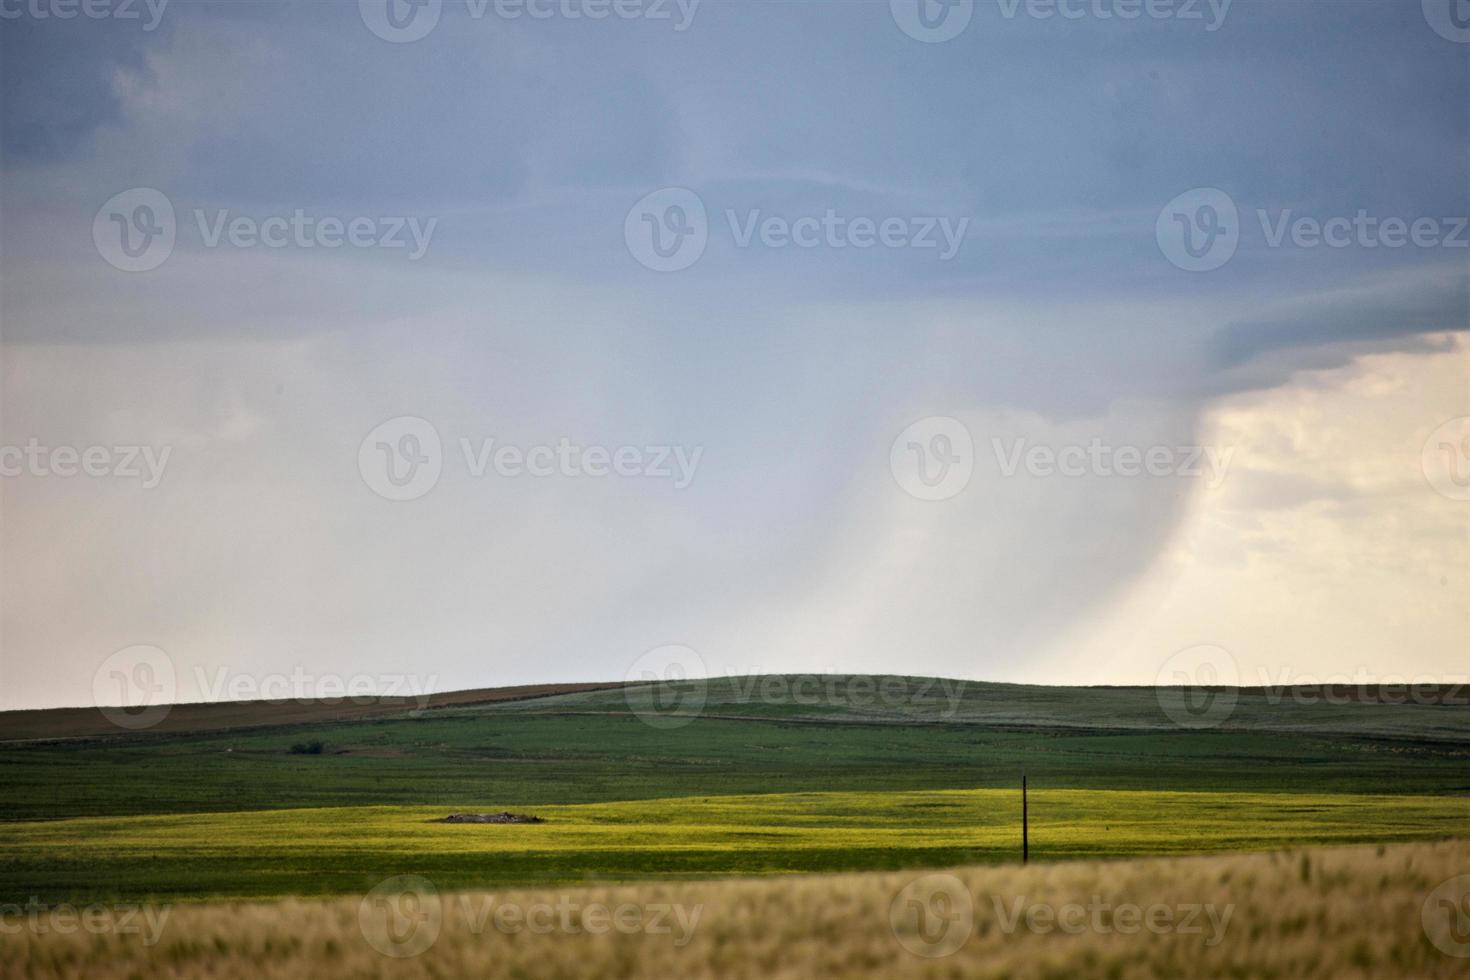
(505,816)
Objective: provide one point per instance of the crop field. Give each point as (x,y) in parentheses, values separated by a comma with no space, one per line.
(267,854)
(757,735)
(793,820)
(1325,914)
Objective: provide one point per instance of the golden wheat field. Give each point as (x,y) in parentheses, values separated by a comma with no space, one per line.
(1341,913)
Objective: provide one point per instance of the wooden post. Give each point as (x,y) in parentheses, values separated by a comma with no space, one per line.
(1025,823)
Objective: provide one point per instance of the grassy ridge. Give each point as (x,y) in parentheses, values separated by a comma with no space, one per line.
(56,723)
(751,735)
(1330,914)
(348,850)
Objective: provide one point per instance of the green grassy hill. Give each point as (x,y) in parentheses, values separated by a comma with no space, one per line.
(201,811)
(749,735)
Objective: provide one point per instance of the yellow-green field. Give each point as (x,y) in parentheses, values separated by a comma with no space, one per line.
(1332,913)
(346,850)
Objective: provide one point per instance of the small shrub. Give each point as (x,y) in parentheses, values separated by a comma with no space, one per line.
(307,748)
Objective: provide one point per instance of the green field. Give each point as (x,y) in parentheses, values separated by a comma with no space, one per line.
(592,747)
(761,779)
(270,854)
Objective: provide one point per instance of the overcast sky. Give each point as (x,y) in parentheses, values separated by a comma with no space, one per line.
(256,237)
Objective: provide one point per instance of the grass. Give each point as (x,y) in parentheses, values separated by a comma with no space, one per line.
(262,854)
(754,735)
(757,778)
(1331,914)
(58,723)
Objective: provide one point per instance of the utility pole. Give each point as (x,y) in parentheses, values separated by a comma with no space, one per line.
(1025,823)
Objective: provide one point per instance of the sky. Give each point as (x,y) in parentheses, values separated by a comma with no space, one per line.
(454,344)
